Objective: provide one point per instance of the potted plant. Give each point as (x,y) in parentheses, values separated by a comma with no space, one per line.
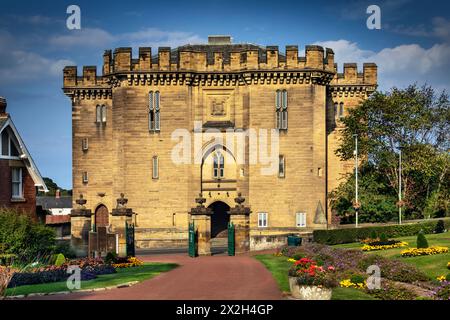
(309,281)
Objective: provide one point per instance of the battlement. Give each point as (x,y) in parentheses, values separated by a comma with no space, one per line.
(220,56)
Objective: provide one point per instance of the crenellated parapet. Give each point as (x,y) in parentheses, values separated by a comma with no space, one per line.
(216,64)
(351,82)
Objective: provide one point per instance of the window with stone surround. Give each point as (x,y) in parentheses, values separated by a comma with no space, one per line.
(85,177)
(218,165)
(100,114)
(16,183)
(262,219)
(300,220)
(281,109)
(155,167)
(154,111)
(281,166)
(85,144)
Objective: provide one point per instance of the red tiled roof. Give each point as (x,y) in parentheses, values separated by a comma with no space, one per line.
(49,219)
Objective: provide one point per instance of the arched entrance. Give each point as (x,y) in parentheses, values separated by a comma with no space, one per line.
(101,216)
(219,219)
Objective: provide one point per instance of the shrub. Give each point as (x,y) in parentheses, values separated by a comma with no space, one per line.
(422,242)
(383,237)
(111,257)
(60,260)
(64,248)
(356,278)
(348,235)
(373,234)
(21,236)
(440,227)
(298,256)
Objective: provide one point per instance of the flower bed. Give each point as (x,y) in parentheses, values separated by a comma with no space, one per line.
(415,252)
(128,263)
(383,245)
(347,283)
(442,292)
(90,269)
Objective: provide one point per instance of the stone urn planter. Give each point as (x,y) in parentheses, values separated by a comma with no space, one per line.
(304,292)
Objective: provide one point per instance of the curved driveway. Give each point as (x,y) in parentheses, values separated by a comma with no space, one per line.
(204,278)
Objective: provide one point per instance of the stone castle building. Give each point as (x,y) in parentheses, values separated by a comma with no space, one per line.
(126,126)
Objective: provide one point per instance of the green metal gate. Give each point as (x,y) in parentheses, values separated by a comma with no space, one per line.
(129,236)
(192,241)
(231,242)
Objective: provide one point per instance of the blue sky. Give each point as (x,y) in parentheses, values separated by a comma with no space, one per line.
(413,45)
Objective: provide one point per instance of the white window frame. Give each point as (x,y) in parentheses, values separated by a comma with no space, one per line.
(263,219)
(218,165)
(15,182)
(10,142)
(155,167)
(300,219)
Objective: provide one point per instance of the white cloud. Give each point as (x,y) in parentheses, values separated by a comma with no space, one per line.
(85,37)
(98,38)
(400,65)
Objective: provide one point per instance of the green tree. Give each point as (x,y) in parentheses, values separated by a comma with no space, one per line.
(417,120)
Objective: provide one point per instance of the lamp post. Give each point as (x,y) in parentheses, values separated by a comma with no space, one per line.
(400,185)
(356,205)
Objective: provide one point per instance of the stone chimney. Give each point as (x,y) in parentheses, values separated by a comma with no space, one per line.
(58,194)
(3,113)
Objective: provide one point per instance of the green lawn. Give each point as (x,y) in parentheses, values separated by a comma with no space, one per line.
(144,272)
(433,266)
(279,266)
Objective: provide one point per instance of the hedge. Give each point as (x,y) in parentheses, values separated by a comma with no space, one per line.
(348,235)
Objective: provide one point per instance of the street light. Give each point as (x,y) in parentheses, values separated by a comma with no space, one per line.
(400,185)
(356,204)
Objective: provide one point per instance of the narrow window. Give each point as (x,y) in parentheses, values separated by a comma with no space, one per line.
(284,117)
(85,144)
(16,183)
(262,219)
(85,177)
(98,112)
(155,170)
(151,112)
(218,165)
(281,166)
(300,219)
(103,114)
(335,109)
(5,143)
(341,110)
(281,105)
(157,116)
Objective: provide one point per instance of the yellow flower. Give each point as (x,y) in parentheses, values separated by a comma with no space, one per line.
(414,252)
(347,283)
(384,247)
(291,260)
(441,278)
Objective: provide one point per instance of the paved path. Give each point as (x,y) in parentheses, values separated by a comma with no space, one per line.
(205,278)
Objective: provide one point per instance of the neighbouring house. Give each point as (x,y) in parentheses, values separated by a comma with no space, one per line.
(57,212)
(19,177)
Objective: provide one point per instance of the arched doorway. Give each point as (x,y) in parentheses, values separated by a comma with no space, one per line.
(101,216)
(219,219)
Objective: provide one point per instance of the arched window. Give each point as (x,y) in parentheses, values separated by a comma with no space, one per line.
(154,109)
(281,105)
(218,165)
